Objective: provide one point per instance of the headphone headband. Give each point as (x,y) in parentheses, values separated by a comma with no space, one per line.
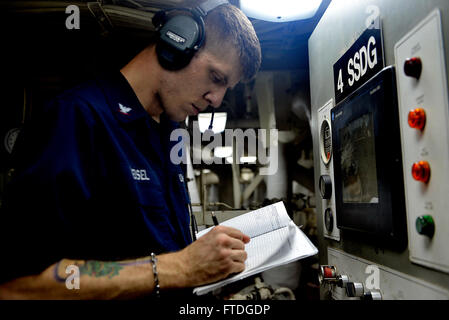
(181,35)
(210,5)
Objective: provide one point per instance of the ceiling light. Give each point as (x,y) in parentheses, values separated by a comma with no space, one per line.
(280,10)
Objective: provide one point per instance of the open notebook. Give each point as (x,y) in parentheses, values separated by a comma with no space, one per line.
(275,240)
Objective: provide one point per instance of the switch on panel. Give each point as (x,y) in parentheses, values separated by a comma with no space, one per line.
(355,289)
(417,119)
(413,67)
(328,275)
(372,295)
(326,186)
(425,226)
(421,171)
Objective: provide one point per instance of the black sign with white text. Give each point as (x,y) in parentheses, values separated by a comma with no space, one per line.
(360,63)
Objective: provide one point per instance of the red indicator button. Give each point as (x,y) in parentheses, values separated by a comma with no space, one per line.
(413,67)
(421,171)
(417,119)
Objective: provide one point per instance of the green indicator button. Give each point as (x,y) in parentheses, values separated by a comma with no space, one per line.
(425,226)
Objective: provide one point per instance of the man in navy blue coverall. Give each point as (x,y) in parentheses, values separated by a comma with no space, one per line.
(95,188)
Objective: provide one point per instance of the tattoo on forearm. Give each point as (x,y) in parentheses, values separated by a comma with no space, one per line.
(56,273)
(98,269)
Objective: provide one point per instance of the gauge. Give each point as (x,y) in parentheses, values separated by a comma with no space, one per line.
(325,142)
(10,139)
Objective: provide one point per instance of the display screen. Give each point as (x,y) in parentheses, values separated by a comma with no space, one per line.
(367,163)
(358,161)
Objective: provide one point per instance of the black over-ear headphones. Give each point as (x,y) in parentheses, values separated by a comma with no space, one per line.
(181,33)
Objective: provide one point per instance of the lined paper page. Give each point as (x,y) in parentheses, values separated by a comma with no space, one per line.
(258,250)
(259,221)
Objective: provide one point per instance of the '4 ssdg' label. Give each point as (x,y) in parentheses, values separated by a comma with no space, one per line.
(361,62)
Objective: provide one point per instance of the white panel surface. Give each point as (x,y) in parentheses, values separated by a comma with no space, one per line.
(432,144)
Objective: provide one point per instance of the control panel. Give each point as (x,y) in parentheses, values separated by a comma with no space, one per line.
(423,111)
(326,182)
(329,276)
(348,277)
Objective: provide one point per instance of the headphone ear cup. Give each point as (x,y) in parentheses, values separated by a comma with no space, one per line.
(179,39)
(171,59)
(181,35)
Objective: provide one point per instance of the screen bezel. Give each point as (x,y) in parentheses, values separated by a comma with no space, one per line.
(385,219)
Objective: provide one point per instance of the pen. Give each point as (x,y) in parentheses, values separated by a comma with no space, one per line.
(214,219)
